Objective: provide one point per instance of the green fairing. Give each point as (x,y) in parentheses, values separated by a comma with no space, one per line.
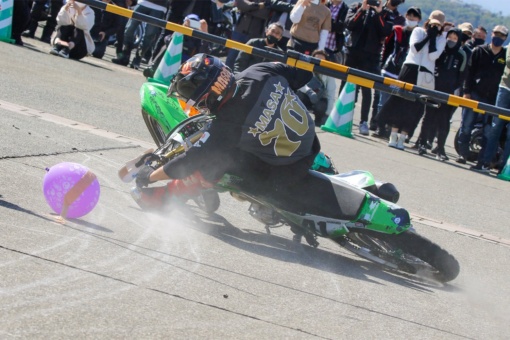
(380,215)
(165,110)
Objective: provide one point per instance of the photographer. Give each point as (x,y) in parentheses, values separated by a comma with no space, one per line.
(369,24)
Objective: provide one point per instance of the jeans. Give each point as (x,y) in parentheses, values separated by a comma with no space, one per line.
(469,118)
(232,54)
(150,31)
(493,134)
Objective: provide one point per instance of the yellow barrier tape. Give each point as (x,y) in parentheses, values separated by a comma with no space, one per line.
(304,65)
(239,46)
(119,11)
(361,81)
(461,101)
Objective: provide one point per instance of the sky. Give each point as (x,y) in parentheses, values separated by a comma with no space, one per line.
(493,5)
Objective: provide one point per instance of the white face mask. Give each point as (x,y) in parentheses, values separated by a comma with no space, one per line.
(411,24)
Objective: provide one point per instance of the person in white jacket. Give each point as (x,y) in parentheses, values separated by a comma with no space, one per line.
(311,24)
(425,47)
(73,38)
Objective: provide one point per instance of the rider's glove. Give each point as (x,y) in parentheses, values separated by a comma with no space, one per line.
(143,177)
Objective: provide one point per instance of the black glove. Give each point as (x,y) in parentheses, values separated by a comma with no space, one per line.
(143,177)
(432,32)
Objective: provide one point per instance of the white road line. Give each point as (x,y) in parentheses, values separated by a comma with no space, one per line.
(132,141)
(48,117)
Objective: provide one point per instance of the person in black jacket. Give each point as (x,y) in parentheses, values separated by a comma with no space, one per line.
(369,25)
(106,25)
(336,38)
(280,10)
(244,60)
(450,74)
(482,83)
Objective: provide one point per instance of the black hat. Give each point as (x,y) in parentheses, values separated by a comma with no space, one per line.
(414,11)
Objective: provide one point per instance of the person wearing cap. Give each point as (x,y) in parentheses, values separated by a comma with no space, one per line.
(449,74)
(467,34)
(482,83)
(426,45)
(396,47)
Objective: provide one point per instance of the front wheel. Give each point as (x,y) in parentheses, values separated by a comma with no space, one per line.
(407,252)
(155,129)
(208,201)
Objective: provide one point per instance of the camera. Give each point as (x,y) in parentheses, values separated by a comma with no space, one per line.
(194,24)
(375,3)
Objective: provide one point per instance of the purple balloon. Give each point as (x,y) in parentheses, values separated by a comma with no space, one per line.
(63,177)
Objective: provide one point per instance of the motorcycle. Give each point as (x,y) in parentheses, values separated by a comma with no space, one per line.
(373,226)
(475,144)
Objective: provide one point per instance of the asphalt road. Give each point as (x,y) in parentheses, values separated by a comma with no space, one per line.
(119,272)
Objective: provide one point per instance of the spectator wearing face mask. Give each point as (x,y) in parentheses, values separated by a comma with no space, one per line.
(493,133)
(449,74)
(273,34)
(426,45)
(396,47)
(482,84)
(479,37)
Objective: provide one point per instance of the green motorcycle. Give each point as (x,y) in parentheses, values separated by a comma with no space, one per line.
(372,225)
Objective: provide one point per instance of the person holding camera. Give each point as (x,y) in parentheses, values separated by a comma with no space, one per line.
(106,25)
(311,24)
(426,46)
(370,23)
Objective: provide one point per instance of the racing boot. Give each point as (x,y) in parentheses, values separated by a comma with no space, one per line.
(157,198)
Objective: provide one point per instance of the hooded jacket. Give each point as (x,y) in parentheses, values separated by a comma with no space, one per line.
(451,66)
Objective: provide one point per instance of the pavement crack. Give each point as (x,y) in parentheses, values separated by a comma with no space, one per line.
(73,150)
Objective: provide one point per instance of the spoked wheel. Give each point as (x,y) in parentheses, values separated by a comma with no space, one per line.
(407,252)
(156,131)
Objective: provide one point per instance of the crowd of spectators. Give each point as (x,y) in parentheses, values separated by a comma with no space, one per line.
(372,36)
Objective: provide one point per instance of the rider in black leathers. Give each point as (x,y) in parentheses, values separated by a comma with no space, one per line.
(261,132)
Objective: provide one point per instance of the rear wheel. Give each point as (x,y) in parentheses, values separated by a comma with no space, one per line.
(407,252)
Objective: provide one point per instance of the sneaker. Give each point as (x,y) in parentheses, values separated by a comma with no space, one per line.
(441,157)
(56,49)
(363,128)
(27,34)
(64,52)
(422,150)
(461,160)
(373,126)
(480,168)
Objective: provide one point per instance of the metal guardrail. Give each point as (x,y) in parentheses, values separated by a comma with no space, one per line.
(395,87)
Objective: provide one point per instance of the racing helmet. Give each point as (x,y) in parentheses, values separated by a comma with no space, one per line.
(203,81)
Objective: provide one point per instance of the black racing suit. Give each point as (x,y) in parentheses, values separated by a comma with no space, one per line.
(265,135)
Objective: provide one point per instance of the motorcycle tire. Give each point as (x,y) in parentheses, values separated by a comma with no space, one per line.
(157,133)
(475,144)
(208,201)
(407,252)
